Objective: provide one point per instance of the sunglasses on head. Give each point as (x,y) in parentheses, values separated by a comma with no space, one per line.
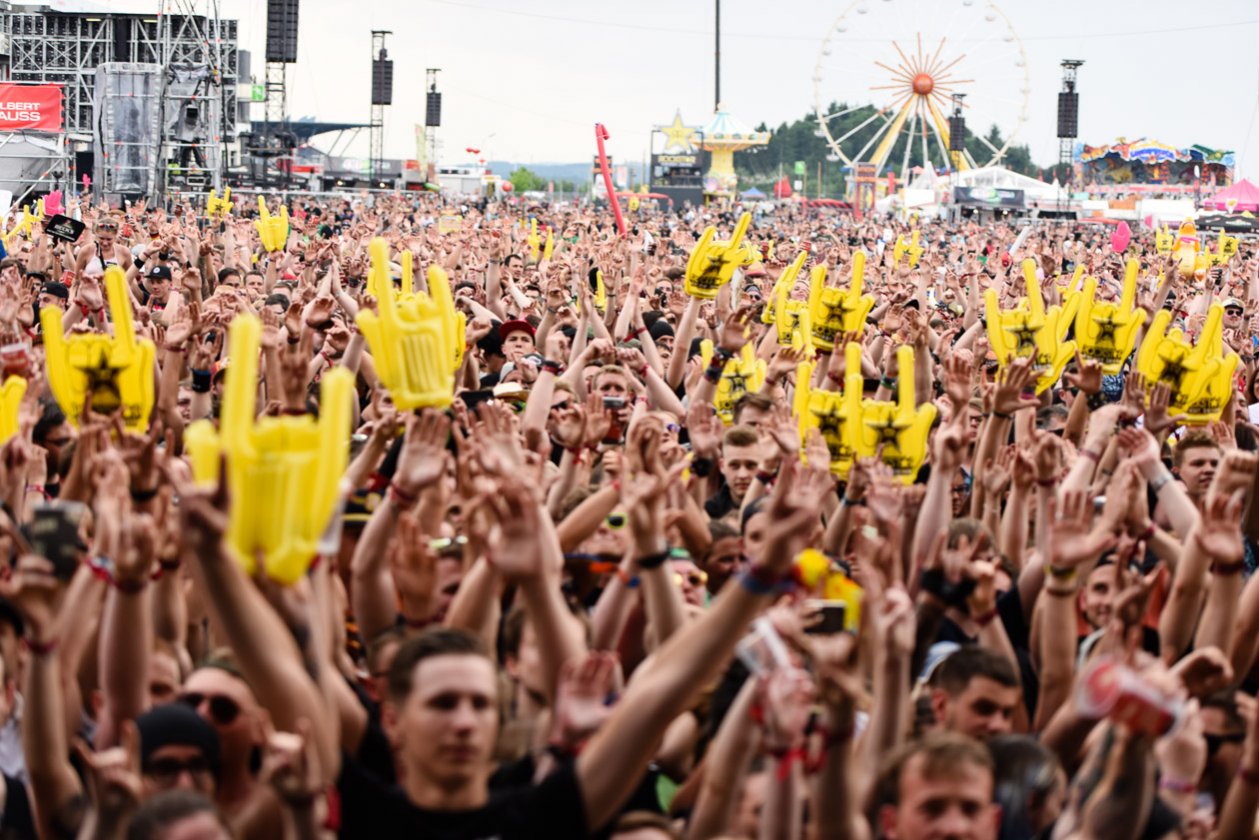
(167,770)
(107,227)
(223,710)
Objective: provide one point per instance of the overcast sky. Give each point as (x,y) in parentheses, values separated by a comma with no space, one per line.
(526,81)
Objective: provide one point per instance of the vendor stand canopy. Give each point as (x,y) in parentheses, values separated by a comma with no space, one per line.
(1243,195)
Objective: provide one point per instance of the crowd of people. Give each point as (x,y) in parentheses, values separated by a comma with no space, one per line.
(593,590)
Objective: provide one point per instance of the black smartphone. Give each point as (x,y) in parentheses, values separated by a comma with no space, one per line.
(53,533)
(832,615)
(472,399)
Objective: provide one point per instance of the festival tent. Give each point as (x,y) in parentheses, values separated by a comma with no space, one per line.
(752,192)
(1243,193)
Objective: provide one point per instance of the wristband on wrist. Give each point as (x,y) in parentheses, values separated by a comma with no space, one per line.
(766,478)
(40,648)
(1001,415)
(627,580)
(1160,482)
(1046,482)
(1148,533)
(654,561)
(847,502)
(1226,569)
(551,366)
(1091,455)
(1067,574)
(401,498)
(759,580)
(143,496)
(701,466)
(985,618)
(1173,785)
(130,587)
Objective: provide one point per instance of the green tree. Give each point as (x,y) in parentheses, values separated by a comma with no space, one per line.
(761,166)
(525,180)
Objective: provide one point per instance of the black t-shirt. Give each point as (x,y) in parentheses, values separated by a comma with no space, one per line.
(553,810)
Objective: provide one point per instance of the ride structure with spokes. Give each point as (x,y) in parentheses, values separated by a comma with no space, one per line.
(908,64)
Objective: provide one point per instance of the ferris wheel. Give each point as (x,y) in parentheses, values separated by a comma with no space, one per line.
(890,73)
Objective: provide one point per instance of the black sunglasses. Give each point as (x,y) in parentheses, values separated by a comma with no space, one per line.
(223,710)
(167,770)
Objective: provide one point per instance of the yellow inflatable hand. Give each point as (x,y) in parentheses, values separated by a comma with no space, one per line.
(1106,332)
(1225,249)
(712,262)
(837,311)
(1200,375)
(273,230)
(742,374)
(28,219)
(284,473)
(786,280)
(601,292)
(837,416)
(415,344)
(216,207)
(117,371)
(1029,330)
(793,322)
(1164,240)
(11,394)
(550,244)
(535,243)
(911,248)
(897,431)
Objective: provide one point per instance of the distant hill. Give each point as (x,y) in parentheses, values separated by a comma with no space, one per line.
(575,172)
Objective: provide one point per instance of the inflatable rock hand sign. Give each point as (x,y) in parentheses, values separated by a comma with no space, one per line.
(1225,249)
(742,374)
(1029,330)
(837,311)
(11,394)
(792,320)
(535,242)
(1200,375)
(1106,332)
(837,416)
(27,221)
(1164,240)
(283,473)
(416,344)
(273,230)
(912,248)
(897,431)
(117,371)
(712,262)
(219,208)
(786,281)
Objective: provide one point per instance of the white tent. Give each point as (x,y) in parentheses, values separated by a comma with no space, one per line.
(998,177)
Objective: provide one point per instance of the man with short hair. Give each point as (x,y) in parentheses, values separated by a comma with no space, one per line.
(740,459)
(975,692)
(1194,462)
(941,786)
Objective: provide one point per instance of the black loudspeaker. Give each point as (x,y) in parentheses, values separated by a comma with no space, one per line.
(957,134)
(433,109)
(1068,114)
(382,81)
(282,31)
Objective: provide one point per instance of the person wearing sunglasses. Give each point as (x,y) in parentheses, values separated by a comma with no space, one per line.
(225,701)
(178,751)
(102,251)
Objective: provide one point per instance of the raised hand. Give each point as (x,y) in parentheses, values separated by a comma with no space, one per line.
(422,460)
(581,699)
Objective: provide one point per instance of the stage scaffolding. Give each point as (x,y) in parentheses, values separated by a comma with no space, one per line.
(196,48)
